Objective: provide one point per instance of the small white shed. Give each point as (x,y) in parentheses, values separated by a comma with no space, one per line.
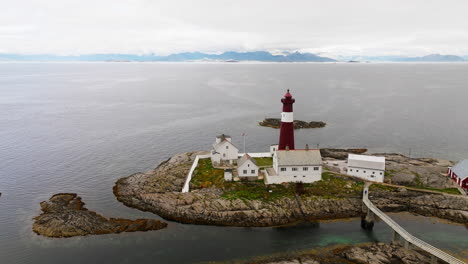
(228,175)
(273,149)
(371,168)
(247,167)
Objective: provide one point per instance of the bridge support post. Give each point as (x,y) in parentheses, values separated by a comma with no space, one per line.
(434,259)
(396,237)
(406,244)
(367,221)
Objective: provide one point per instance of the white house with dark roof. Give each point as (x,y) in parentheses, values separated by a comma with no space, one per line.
(223,150)
(247,167)
(459,173)
(298,165)
(371,168)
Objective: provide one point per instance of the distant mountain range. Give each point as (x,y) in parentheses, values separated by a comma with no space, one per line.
(231,56)
(428,58)
(188,56)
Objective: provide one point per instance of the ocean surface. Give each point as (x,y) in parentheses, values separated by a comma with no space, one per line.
(78,127)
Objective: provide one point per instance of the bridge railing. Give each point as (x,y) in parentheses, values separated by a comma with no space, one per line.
(406,235)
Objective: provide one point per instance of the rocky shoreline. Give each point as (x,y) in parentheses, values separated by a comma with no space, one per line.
(158,191)
(298,124)
(368,253)
(64,215)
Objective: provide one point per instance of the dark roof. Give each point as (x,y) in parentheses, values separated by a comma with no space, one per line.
(223,136)
(245,158)
(299,157)
(461,169)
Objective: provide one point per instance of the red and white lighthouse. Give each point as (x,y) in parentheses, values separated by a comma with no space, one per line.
(287,126)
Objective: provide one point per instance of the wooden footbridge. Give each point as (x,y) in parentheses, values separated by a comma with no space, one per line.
(400,233)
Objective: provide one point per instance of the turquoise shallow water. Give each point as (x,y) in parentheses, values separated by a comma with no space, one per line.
(78,127)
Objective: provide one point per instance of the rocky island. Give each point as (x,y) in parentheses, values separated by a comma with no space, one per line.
(298,124)
(215,202)
(64,215)
(368,253)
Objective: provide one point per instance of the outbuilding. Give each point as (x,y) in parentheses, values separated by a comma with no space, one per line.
(247,167)
(459,173)
(223,151)
(370,168)
(298,165)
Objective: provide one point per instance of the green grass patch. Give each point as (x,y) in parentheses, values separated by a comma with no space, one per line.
(206,176)
(264,162)
(446,190)
(389,173)
(333,186)
(382,187)
(417,179)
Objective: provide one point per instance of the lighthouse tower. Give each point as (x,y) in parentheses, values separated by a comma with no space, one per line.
(287,127)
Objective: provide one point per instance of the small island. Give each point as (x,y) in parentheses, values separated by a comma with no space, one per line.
(214,201)
(298,124)
(64,215)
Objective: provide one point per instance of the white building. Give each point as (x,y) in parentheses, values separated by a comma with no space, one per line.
(273,149)
(299,165)
(247,167)
(224,151)
(228,175)
(369,168)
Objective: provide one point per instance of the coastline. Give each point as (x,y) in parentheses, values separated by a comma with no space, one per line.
(158,191)
(361,253)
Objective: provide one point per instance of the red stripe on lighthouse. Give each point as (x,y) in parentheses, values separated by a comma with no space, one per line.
(287,125)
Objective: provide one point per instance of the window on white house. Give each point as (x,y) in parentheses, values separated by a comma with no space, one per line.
(294,169)
(245,171)
(364,171)
(350,169)
(227,147)
(316,168)
(373,172)
(380,173)
(283,169)
(373,176)
(295,176)
(305,169)
(248,165)
(357,170)
(252,171)
(303,176)
(224,155)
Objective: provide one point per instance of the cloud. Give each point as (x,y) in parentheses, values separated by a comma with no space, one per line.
(362,27)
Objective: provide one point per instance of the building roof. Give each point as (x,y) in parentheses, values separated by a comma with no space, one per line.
(461,169)
(366,162)
(299,157)
(245,158)
(216,145)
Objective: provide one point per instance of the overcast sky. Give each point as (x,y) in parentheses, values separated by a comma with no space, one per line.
(345,27)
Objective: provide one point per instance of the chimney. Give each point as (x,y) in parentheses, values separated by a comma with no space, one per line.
(287,147)
(307,147)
